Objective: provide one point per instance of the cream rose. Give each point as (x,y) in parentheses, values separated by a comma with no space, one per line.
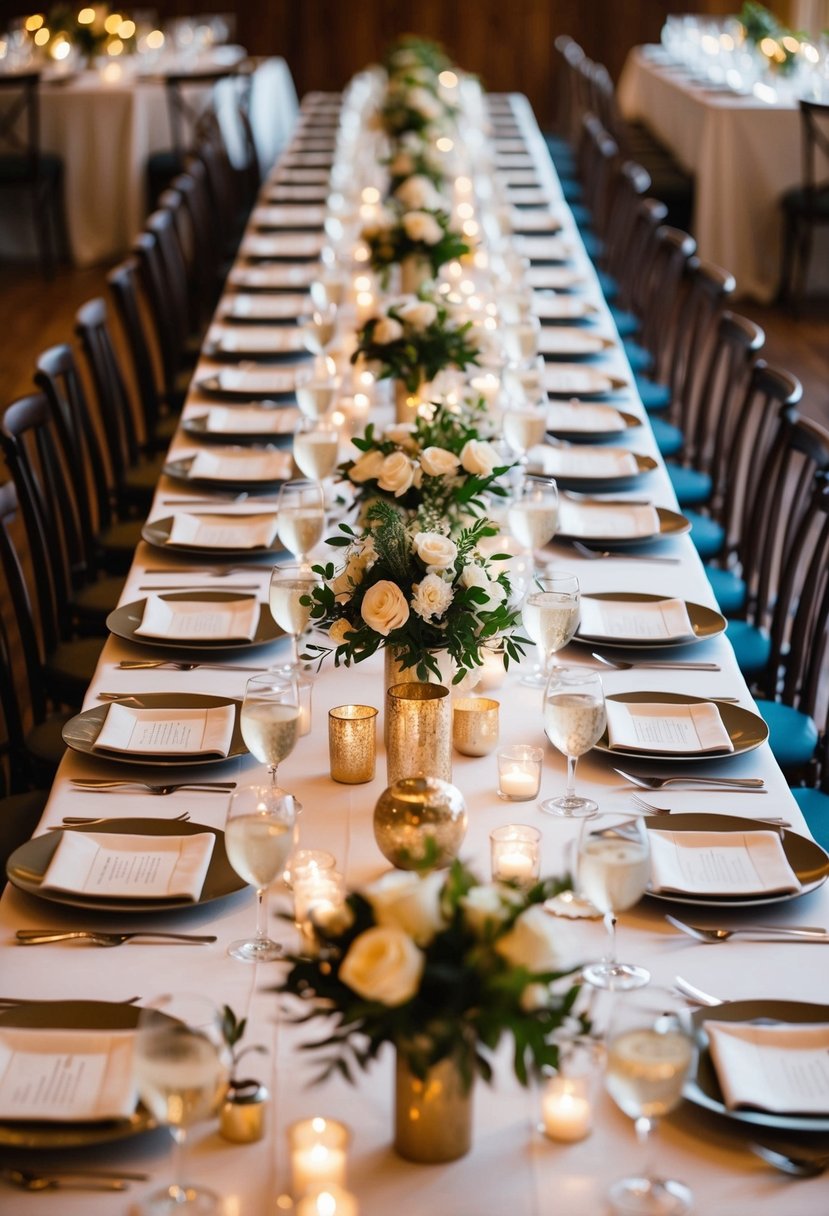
(479,457)
(402,165)
(424,102)
(488,906)
(403,900)
(338,631)
(402,433)
(384,608)
(386,331)
(431,597)
(396,474)
(435,550)
(420,314)
(383,965)
(418,193)
(538,942)
(366,467)
(420,226)
(438,462)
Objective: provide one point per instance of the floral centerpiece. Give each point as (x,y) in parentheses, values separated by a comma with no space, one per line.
(414,338)
(410,157)
(416,592)
(409,52)
(778,45)
(424,234)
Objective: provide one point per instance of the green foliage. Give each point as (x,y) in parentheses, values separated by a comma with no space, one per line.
(418,354)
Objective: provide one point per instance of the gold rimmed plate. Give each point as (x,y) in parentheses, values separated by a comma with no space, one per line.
(563,343)
(72,1015)
(275,277)
(586,485)
(705,623)
(124,621)
(284,423)
(250,384)
(703,1088)
(671,523)
(267,343)
(746,730)
(179,470)
(81,732)
(263,308)
(573,434)
(573,380)
(157,533)
(28,863)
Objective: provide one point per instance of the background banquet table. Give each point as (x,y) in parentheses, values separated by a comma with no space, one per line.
(744,153)
(510,1166)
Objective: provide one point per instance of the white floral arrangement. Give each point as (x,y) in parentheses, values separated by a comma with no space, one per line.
(420,232)
(414,338)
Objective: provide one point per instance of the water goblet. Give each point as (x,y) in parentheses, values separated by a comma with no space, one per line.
(574,719)
(550,615)
(316,390)
(182,1070)
(650,1053)
(318,330)
(532,515)
(316,447)
(612,872)
(521,339)
(259,838)
(300,514)
(269,720)
(290,604)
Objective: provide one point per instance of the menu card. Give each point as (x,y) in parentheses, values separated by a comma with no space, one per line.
(276,216)
(646,621)
(247,340)
(228,465)
(562,308)
(592,464)
(554,278)
(284,307)
(720,863)
(167,732)
(200,620)
(564,416)
(273,278)
(543,248)
(539,220)
(294,246)
(663,727)
(575,380)
(66,1075)
(624,521)
(250,420)
(130,867)
(261,380)
(565,341)
(782,1068)
(223,531)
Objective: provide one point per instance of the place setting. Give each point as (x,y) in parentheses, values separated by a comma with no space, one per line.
(196,622)
(668,726)
(232,469)
(242,424)
(271,217)
(571,380)
(559,342)
(620,522)
(637,621)
(589,469)
(263,342)
(554,309)
(588,422)
(263,308)
(282,247)
(217,533)
(277,277)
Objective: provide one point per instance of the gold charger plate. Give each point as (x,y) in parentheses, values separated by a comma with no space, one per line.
(587,485)
(745,729)
(124,622)
(32,858)
(156,532)
(196,426)
(278,381)
(571,435)
(703,1089)
(260,308)
(275,277)
(72,1015)
(80,732)
(564,343)
(807,859)
(671,523)
(574,380)
(179,470)
(273,343)
(705,622)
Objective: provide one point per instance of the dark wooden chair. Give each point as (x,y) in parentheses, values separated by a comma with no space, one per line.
(806,207)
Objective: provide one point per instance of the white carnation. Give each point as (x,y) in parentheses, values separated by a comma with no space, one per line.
(431,597)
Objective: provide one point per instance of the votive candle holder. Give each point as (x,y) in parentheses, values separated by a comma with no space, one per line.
(352,731)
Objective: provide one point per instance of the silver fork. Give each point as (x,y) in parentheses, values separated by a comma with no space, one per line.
(74,821)
(176,665)
(658,783)
(98,784)
(594,554)
(803,933)
(37,937)
(650,809)
(624,665)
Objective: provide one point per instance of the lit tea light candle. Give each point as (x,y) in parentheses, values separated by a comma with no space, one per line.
(329,1201)
(515,853)
(318,1157)
(519,772)
(487,386)
(566,1111)
(319,896)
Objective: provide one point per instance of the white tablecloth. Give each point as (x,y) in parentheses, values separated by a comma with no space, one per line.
(744,153)
(510,1167)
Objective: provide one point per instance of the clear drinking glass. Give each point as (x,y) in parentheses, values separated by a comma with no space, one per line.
(574,719)
(612,872)
(316,447)
(319,330)
(300,513)
(650,1052)
(550,615)
(182,1069)
(290,587)
(316,390)
(532,516)
(270,721)
(259,838)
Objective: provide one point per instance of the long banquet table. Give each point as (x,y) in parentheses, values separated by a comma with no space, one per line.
(510,1166)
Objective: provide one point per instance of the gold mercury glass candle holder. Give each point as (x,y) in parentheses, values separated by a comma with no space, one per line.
(352,733)
(418,732)
(475,725)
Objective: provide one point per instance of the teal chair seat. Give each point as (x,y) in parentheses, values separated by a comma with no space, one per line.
(571,189)
(639,357)
(609,286)
(593,244)
(793,736)
(582,215)
(627,322)
(654,396)
(669,438)
(752,647)
(730,591)
(691,486)
(815,807)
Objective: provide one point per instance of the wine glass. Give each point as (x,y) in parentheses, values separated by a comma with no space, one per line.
(532,515)
(550,615)
(259,837)
(650,1052)
(574,719)
(316,447)
(300,517)
(290,586)
(318,330)
(524,425)
(270,720)
(612,872)
(521,339)
(316,390)
(182,1069)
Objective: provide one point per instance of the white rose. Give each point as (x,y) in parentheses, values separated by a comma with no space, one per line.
(387,330)
(488,906)
(366,467)
(438,462)
(538,942)
(475,576)
(424,102)
(418,193)
(435,550)
(383,965)
(402,433)
(479,457)
(338,631)
(431,597)
(420,314)
(402,165)
(403,900)
(420,226)
(396,474)
(535,996)
(384,608)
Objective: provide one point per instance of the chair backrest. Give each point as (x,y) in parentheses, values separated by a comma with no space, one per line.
(20,121)
(635,272)
(661,291)
(163,224)
(721,388)
(191,98)
(568,112)
(814,126)
(115,408)
(598,154)
(193,191)
(630,183)
(164,305)
(140,329)
(707,290)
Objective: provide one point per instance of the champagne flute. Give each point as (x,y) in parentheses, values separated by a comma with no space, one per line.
(574,719)
(532,516)
(612,872)
(316,390)
(290,588)
(270,720)
(259,838)
(550,615)
(300,517)
(182,1070)
(316,447)
(650,1053)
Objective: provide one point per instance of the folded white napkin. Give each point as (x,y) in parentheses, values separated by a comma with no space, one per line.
(66,1075)
(600,520)
(285,216)
(576,380)
(648,621)
(130,867)
(554,278)
(273,278)
(284,245)
(565,341)
(265,307)
(592,463)
(200,620)
(782,1068)
(167,732)
(251,340)
(563,416)
(543,248)
(276,380)
(228,465)
(251,420)
(534,221)
(223,531)
(561,308)
(663,727)
(720,863)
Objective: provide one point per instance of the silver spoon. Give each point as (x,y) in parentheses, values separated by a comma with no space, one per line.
(798,1161)
(28,1180)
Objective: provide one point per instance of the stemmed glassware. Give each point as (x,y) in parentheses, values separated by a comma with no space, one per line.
(290,586)
(182,1069)
(612,872)
(300,515)
(532,516)
(316,389)
(574,719)
(650,1052)
(550,615)
(259,838)
(270,721)
(318,331)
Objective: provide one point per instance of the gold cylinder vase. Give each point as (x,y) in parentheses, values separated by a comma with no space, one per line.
(418,731)
(432,1116)
(351,743)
